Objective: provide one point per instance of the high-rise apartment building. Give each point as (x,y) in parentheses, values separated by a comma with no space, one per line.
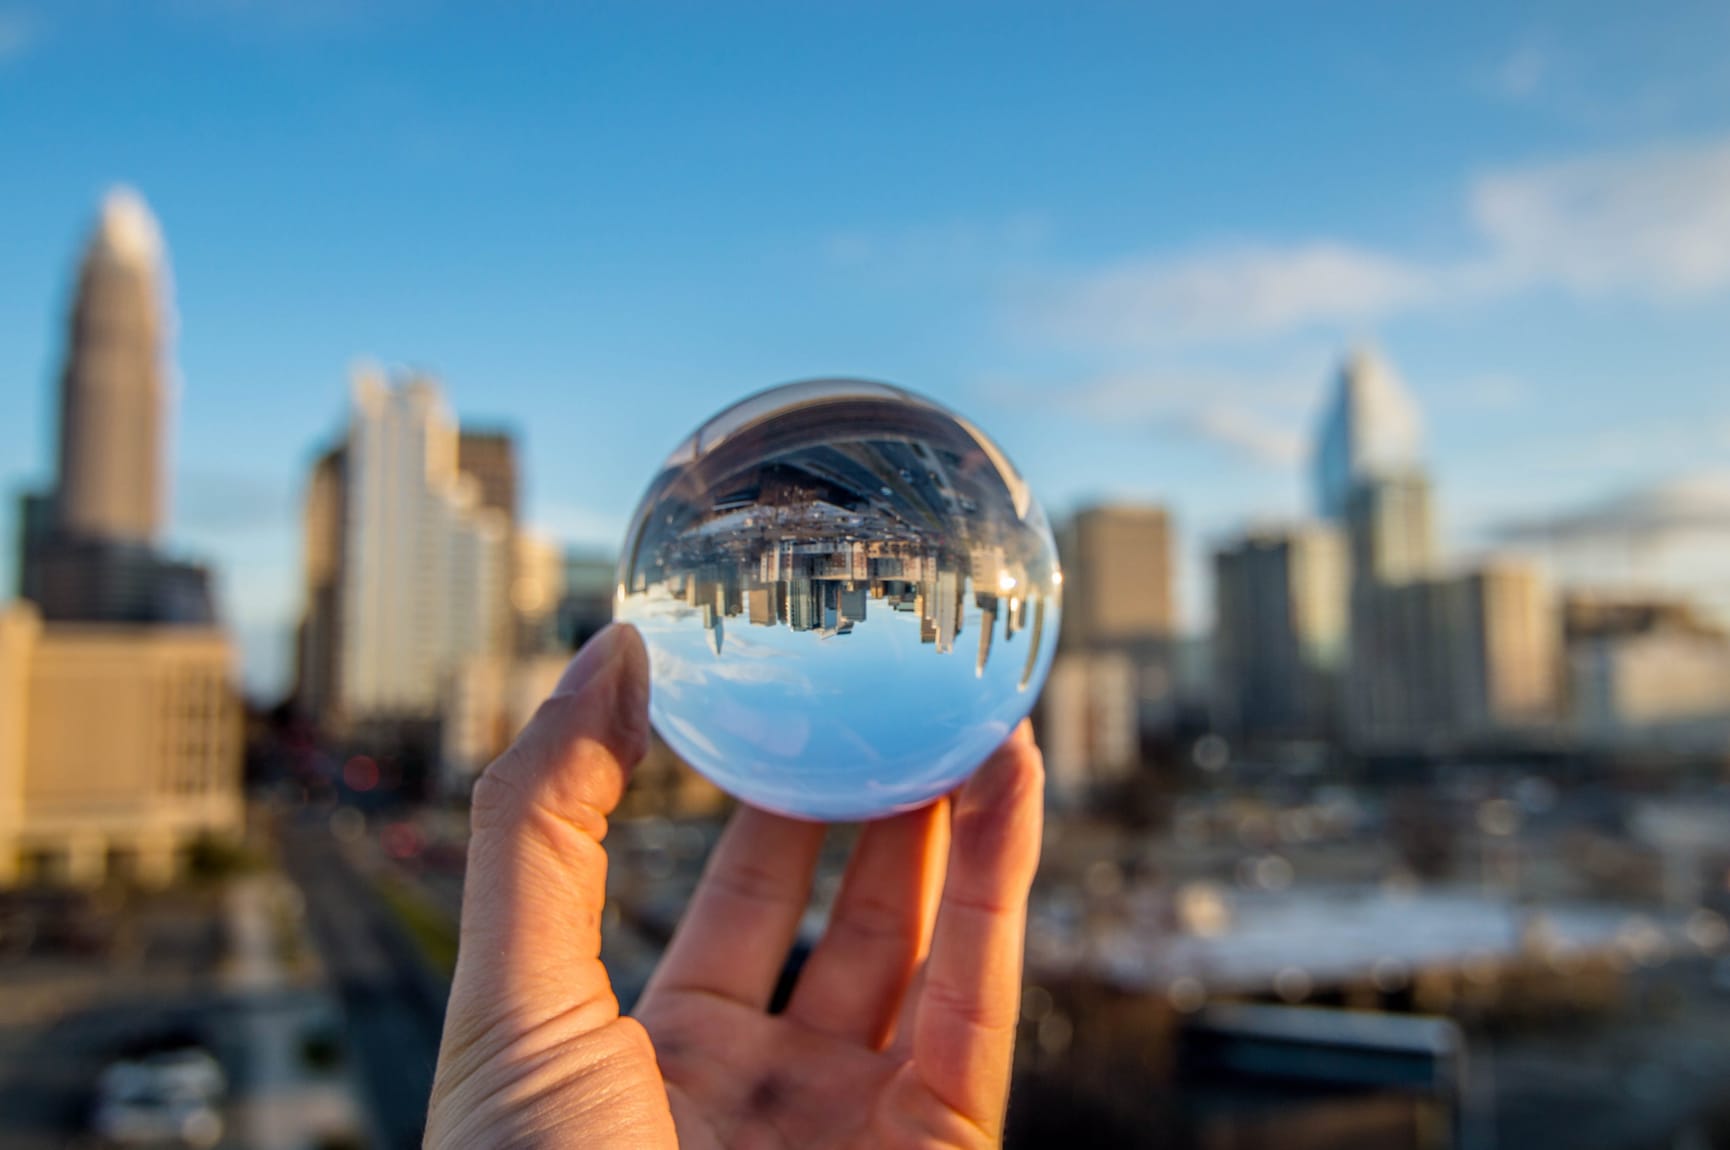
(1508,651)
(425,568)
(1391,523)
(1454,659)
(1118,584)
(1280,639)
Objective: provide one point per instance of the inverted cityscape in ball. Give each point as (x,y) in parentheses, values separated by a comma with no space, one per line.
(849,597)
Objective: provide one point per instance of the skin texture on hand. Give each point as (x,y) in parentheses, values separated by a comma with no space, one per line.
(900,1029)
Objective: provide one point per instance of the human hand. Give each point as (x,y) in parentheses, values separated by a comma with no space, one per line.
(900,1029)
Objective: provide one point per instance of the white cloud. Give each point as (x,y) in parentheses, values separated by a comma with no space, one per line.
(1653,224)
(1235,292)
(1250,433)
(1520,74)
(1263,419)
(1692,503)
(19,33)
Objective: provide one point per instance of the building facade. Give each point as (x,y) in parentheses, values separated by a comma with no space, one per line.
(1280,640)
(1118,578)
(88,549)
(125,797)
(1089,724)
(112,389)
(425,565)
(120,740)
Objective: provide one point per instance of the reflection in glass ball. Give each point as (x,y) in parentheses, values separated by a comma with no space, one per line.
(849,597)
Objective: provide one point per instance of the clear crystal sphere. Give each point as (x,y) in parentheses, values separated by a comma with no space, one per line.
(849,597)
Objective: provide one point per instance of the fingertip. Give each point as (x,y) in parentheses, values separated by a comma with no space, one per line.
(1015,767)
(595,657)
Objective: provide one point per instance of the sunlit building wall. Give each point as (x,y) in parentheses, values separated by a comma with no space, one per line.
(112,390)
(120,747)
(537,588)
(426,564)
(1118,578)
(318,642)
(1507,648)
(1623,686)
(1089,724)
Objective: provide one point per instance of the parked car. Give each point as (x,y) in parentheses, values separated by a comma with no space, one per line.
(169,1098)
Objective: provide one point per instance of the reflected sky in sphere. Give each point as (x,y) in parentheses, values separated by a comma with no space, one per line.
(849,598)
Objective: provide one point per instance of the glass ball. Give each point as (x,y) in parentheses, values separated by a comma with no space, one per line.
(849,598)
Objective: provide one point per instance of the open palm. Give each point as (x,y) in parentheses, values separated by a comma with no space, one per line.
(900,1029)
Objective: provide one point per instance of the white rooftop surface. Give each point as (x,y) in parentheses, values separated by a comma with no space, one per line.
(1333,936)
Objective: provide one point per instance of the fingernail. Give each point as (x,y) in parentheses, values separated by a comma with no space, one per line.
(994,779)
(632,700)
(590,661)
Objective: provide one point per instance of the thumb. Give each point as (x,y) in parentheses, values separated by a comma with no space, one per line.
(537,874)
(534,1051)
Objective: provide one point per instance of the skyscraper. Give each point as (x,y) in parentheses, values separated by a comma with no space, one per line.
(1391,521)
(1117,563)
(112,390)
(89,549)
(1371,428)
(425,564)
(119,724)
(1508,648)
(1280,642)
(1120,598)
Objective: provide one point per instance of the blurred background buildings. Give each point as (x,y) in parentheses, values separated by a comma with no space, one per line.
(1389,738)
(120,741)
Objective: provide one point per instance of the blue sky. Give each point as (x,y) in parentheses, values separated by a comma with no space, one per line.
(1128,240)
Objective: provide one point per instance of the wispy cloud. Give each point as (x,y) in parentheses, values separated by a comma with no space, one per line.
(1234,292)
(1654,224)
(1520,73)
(19,33)
(1262,419)
(1693,503)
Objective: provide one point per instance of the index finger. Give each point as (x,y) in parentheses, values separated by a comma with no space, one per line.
(964,1021)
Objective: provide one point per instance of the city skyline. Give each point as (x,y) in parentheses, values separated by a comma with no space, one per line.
(1130,306)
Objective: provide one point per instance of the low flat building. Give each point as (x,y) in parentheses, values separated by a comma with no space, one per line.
(120,747)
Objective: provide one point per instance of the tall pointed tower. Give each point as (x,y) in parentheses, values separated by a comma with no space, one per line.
(112,390)
(1372,429)
(89,550)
